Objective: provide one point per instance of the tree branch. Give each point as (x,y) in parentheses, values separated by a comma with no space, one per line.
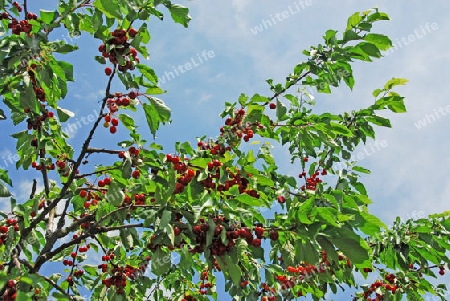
(56,286)
(91,150)
(33,189)
(92,231)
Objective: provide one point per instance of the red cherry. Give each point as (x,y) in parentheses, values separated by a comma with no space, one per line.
(256,242)
(177,231)
(83,193)
(305,159)
(273,234)
(441,272)
(11,284)
(132,95)
(136,174)
(122,155)
(281,199)
(3,229)
(87,205)
(113,130)
(197,229)
(272,106)
(132,32)
(115,122)
(259,232)
(204,227)
(73,254)
(108,71)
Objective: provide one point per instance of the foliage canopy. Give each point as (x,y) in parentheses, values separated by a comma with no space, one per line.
(203,204)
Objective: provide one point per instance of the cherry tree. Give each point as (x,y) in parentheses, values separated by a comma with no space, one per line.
(149,224)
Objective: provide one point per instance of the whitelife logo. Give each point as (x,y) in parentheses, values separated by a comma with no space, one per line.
(429,118)
(416,35)
(181,69)
(291,10)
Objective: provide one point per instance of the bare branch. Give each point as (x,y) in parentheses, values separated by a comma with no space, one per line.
(33,189)
(91,150)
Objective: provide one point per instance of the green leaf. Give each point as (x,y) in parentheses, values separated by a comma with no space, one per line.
(327,214)
(63,48)
(48,16)
(2,115)
(127,121)
(235,272)
(378,120)
(377,92)
(281,110)
(154,91)
(111,8)
(126,238)
(68,70)
(382,42)
(64,114)
(148,72)
(4,192)
(361,169)
(115,195)
(329,35)
(353,21)
(180,14)
(340,129)
(395,82)
(248,200)
(157,112)
(21,296)
(165,219)
(370,49)
(350,244)
(377,16)
(161,262)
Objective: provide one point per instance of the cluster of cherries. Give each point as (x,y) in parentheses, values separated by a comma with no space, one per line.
(134,154)
(373,288)
(234,126)
(11,292)
(120,275)
(19,26)
(71,262)
(312,180)
(120,47)
(5,228)
(301,272)
(186,174)
(36,123)
(113,105)
(205,283)
(232,232)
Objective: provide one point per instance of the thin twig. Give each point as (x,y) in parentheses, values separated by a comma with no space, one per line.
(91,150)
(25,7)
(91,233)
(56,286)
(33,189)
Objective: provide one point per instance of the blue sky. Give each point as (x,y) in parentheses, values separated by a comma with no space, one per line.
(409,175)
